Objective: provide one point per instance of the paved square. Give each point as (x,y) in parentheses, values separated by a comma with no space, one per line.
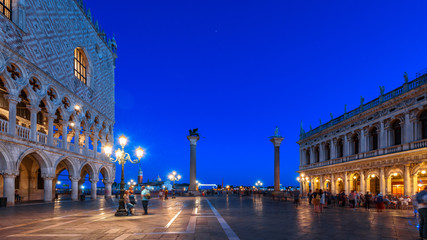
(226,217)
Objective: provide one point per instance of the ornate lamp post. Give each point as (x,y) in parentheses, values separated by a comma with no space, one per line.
(122,157)
(258,184)
(173,177)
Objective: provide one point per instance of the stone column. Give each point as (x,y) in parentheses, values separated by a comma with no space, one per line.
(50,119)
(77,138)
(64,134)
(33,128)
(47,188)
(312,155)
(321,183)
(362,182)
(13,100)
(333,190)
(193,143)
(382,180)
(407,181)
(322,156)
(414,184)
(95,146)
(9,187)
(382,136)
(346,147)
(86,142)
(74,188)
(388,189)
(93,188)
(276,142)
(107,189)
(363,141)
(346,183)
(334,149)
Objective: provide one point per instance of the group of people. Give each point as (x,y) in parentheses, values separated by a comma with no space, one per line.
(130,200)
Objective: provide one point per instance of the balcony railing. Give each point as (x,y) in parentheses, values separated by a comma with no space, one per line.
(41,138)
(373,153)
(4,125)
(23,132)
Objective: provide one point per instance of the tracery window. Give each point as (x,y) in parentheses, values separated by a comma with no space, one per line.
(80,65)
(6,8)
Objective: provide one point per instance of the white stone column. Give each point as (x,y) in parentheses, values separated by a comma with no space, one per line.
(74,188)
(64,134)
(383,141)
(193,144)
(86,141)
(321,183)
(333,149)
(107,189)
(312,155)
(93,188)
(388,189)
(50,119)
(414,178)
(47,188)
(382,180)
(362,182)
(95,146)
(77,138)
(408,129)
(363,136)
(322,156)
(276,142)
(13,100)
(33,128)
(9,187)
(333,188)
(346,147)
(407,181)
(346,183)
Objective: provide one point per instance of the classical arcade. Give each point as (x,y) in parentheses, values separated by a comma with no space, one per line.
(56,99)
(379,147)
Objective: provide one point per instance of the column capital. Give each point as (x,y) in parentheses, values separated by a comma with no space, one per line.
(13,99)
(193,139)
(9,173)
(94,180)
(47,177)
(276,141)
(74,179)
(34,108)
(51,116)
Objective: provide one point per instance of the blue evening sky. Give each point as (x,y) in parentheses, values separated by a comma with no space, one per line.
(236,69)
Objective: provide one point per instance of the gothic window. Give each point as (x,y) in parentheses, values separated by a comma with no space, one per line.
(355,141)
(373,137)
(340,148)
(80,65)
(397,132)
(423,119)
(40,180)
(6,8)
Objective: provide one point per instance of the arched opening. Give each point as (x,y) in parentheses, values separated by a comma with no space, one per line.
(340,148)
(423,120)
(373,139)
(339,185)
(42,124)
(420,180)
(86,174)
(58,128)
(316,154)
(373,184)
(103,177)
(23,115)
(62,182)
(396,133)
(327,186)
(395,184)
(327,151)
(29,183)
(307,156)
(317,184)
(80,65)
(355,182)
(6,8)
(4,107)
(355,143)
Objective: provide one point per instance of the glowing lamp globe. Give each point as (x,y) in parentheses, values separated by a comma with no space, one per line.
(119,153)
(139,153)
(108,150)
(123,140)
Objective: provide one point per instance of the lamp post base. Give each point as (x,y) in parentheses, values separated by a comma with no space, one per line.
(121,212)
(194,193)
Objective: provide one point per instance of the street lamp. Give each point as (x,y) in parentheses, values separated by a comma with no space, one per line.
(302,180)
(174,177)
(122,157)
(259,184)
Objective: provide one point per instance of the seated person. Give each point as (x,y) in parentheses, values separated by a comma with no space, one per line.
(128,205)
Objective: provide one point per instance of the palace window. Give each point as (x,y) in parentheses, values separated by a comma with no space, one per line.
(373,138)
(355,140)
(6,8)
(423,119)
(340,148)
(80,65)
(316,154)
(307,156)
(327,151)
(397,133)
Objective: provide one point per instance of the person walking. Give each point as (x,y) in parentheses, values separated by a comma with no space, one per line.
(145,195)
(422,211)
(296,194)
(322,200)
(380,202)
(368,198)
(310,197)
(166,194)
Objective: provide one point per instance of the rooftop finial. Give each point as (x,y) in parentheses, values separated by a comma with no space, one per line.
(405,77)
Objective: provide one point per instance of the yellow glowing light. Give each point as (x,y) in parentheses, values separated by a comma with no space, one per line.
(139,152)
(354,177)
(317,180)
(302,174)
(298,179)
(123,140)
(423,172)
(395,174)
(373,175)
(108,150)
(306,178)
(77,107)
(339,179)
(420,185)
(119,153)
(72,124)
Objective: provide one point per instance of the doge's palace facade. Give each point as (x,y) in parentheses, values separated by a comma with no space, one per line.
(56,98)
(381,146)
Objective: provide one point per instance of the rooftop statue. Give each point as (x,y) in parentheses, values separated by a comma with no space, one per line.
(320,120)
(301,131)
(405,76)
(345,108)
(382,90)
(332,116)
(361,100)
(194,132)
(276,133)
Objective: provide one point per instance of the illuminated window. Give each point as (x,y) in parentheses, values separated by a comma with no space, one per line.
(6,8)
(80,65)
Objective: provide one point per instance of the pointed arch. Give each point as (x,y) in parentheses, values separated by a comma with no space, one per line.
(39,156)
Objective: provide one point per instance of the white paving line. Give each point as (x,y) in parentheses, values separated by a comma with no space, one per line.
(40,229)
(227,229)
(123,236)
(46,235)
(114,230)
(173,219)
